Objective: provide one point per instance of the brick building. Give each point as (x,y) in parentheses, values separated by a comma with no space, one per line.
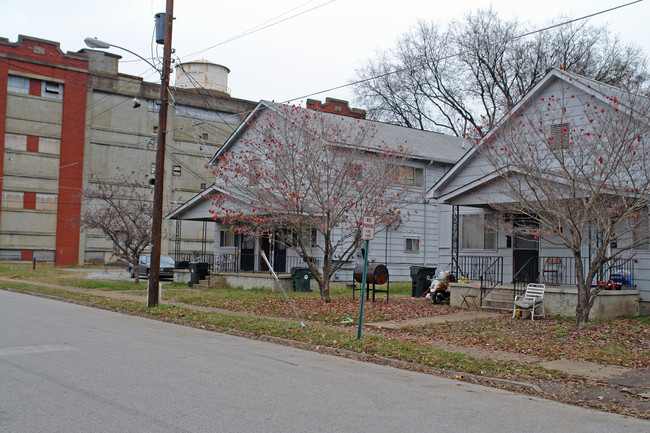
(69,121)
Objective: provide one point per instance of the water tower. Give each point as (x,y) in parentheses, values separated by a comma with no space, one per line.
(202,74)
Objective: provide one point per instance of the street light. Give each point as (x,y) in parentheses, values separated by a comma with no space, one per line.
(153,292)
(102,45)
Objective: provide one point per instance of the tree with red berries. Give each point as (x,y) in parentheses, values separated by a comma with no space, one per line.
(308,178)
(579,165)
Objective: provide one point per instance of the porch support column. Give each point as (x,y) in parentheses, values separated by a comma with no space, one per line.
(204,241)
(177,241)
(455,226)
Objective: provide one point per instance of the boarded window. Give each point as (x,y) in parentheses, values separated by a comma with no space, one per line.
(12,199)
(16,142)
(49,145)
(17,84)
(46,202)
(560,136)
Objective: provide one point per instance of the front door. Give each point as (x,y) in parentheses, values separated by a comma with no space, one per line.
(279,255)
(525,252)
(247,259)
(265,245)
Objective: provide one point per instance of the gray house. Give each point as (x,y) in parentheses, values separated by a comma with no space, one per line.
(476,226)
(414,241)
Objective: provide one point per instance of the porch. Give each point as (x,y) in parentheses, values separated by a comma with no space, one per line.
(482,284)
(558,300)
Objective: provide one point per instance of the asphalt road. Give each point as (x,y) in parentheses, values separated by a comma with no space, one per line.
(70,368)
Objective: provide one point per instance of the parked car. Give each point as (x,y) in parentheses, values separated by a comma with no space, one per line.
(167,266)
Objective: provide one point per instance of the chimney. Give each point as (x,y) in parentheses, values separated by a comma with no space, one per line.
(336,106)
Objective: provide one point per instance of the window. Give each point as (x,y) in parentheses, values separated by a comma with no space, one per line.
(355,171)
(560,136)
(203,186)
(640,230)
(12,199)
(411,176)
(17,84)
(177,170)
(153,168)
(254,173)
(16,142)
(229,239)
(475,235)
(49,145)
(314,238)
(412,245)
(309,237)
(46,202)
(52,90)
(204,136)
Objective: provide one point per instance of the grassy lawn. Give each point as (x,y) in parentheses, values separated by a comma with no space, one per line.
(622,341)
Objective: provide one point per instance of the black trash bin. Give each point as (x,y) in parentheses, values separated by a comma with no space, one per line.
(300,279)
(421,277)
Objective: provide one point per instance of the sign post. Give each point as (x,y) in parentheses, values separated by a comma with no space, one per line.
(367,234)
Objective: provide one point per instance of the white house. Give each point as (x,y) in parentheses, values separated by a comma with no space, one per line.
(414,241)
(561,111)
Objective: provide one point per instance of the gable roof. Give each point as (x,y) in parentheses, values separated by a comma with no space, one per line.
(431,146)
(601,91)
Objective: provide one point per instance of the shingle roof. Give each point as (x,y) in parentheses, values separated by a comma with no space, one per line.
(418,143)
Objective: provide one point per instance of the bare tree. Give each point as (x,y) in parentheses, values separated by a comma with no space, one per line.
(577,165)
(464,77)
(122,210)
(309,178)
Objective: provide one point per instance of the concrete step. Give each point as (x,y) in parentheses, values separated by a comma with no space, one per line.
(215,280)
(497,304)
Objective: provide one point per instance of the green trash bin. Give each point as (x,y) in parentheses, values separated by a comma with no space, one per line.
(198,271)
(421,277)
(300,279)
(194,274)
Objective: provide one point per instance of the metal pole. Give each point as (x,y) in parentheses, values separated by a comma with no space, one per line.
(156,228)
(363,288)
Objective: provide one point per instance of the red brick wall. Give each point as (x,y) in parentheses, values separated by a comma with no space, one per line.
(44,58)
(32,143)
(29,200)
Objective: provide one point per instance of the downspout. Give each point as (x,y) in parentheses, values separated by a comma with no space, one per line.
(425,202)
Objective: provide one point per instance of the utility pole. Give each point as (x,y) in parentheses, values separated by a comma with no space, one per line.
(158,191)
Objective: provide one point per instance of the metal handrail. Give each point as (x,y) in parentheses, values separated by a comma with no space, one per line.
(495,282)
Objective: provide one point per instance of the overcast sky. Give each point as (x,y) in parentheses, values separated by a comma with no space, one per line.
(301,56)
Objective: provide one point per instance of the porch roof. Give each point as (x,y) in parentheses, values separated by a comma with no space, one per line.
(197,208)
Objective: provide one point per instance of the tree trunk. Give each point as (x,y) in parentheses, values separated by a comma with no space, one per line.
(583,305)
(324,287)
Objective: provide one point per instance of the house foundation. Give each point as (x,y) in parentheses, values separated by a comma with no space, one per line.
(558,300)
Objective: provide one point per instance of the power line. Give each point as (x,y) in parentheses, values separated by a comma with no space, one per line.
(262,26)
